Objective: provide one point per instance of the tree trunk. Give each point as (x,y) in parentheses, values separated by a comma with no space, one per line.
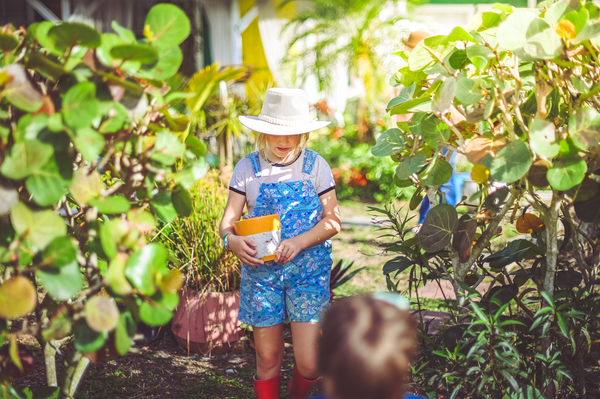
(74,374)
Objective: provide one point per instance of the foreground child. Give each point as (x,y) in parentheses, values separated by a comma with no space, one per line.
(366,348)
(284,178)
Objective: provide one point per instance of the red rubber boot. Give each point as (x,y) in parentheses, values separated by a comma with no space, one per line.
(298,387)
(268,389)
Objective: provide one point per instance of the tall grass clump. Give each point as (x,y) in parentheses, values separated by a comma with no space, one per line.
(194,243)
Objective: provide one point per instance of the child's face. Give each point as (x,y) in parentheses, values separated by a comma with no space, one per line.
(282,146)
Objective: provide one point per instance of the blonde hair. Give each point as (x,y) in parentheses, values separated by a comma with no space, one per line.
(262,146)
(366,348)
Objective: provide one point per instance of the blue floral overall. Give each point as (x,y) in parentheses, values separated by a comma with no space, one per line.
(300,288)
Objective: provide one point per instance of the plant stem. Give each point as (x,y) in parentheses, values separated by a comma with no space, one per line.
(50,361)
(74,375)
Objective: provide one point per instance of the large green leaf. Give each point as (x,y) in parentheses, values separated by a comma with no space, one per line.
(443,100)
(512,162)
(59,252)
(17,297)
(8,42)
(484,20)
(46,185)
(542,46)
(86,185)
(125,34)
(69,34)
(434,132)
(62,283)
(169,61)
(159,309)
(143,265)
(167,148)
(468,91)
(135,52)
(436,233)
(464,236)
(166,25)
(584,129)
(122,340)
(86,339)
(588,210)
(479,55)
(9,196)
(389,142)
(162,206)
(19,91)
(397,265)
(101,313)
(518,27)
(405,95)
(182,201)
(404,108)
(429,51)
(41,34)
(542,138)
(89,143)
(437,173)
(412,164)
(192,172)
(37,227)
(111,205)
(566,173)
(115,277)
(80,105)
(25,158)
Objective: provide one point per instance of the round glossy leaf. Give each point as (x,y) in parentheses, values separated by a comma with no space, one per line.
(111,205)
(192,172)
(584,129)
(26,157)
(59,252)
(61,283)
(80,105)
(402,183)
(529,224)
(437,173)
(46,185)
(436,233)
(468,91)
(479,147)
(588,211)
(135,52)
(167,148)
(586,190)
(421,57)
(538,172)
(17,297)
(166,25)
(518,27)
(434,132)
(101,313)
(445,96)
(182,201)
(163,207)
(512,162)
(464,237)
(416,199)
(122,339)
(41,34)
(155,314)
(60,325)
(412,164)
(115,277)
(141,220)
(69,34)
(479,51)
(19,91)
(37,227)
(169,61)
(143,265)
(542,46)
(8,198)
(8,42)
(112,233)
(86,339)
(89,143)
(125,34)
(108,41)
(566,173)
(542,138)
(86,185)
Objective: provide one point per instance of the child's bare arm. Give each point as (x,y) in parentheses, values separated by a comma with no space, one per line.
(329,226)
(242,247)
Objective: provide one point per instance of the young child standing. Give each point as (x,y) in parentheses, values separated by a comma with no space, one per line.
(284,178)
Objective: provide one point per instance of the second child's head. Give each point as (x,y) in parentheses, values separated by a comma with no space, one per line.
(366,349)
(281,149)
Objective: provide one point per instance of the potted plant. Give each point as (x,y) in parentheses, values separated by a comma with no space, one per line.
(207,315)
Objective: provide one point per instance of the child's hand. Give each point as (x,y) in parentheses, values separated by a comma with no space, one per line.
(287,250)
(245,249)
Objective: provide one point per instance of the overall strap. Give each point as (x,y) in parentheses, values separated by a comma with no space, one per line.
(310,158)
(254,157)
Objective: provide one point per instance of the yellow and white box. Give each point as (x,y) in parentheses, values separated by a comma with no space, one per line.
(265,231)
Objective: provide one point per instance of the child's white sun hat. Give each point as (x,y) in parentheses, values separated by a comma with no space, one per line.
(284,113)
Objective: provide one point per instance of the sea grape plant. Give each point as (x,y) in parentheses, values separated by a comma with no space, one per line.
(517,93)
(91,155)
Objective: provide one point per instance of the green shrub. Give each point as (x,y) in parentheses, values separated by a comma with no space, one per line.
(195,243)
(91,154)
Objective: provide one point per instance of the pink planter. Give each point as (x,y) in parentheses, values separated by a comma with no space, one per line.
(203,322)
